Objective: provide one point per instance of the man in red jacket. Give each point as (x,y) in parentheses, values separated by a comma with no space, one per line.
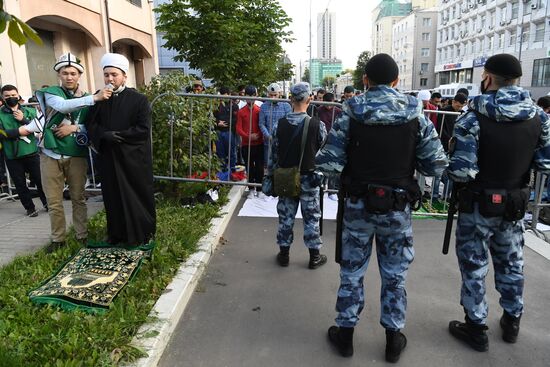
(251,138)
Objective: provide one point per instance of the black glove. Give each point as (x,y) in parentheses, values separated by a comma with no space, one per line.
(112,137)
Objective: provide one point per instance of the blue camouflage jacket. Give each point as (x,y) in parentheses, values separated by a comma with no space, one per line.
(294,119)
(506,104)
(383,105)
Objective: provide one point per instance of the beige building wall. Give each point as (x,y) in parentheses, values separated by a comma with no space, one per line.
(82,28)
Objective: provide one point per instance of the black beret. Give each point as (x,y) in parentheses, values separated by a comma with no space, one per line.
(381,69)
(504,65)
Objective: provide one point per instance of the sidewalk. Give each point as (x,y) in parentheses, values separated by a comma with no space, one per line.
(248,311)
(20,234)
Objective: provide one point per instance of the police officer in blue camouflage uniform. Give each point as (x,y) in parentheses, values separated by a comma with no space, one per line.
(377,144)
(286,152)
(493,148)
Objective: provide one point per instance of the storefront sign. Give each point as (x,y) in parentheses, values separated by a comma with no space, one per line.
(480,61)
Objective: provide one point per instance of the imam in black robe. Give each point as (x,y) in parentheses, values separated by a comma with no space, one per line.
(126,168)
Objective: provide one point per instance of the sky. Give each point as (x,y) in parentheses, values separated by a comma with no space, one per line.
(353,28)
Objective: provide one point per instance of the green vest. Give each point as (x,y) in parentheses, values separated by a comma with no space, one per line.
(67,145)
(18,148)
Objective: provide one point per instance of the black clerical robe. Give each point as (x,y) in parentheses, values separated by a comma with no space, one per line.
(126,167)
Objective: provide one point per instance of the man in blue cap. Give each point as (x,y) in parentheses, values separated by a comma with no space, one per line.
(494,146)
(287,151)
(376,145)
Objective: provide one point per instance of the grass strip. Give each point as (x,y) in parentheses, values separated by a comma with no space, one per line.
(46,336)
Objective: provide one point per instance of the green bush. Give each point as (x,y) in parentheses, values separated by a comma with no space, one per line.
(192,121)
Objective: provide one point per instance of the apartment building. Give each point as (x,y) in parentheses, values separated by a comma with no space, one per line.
(414,45)
(470,31)
(87,28)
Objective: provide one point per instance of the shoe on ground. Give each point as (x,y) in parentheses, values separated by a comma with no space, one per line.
(251,195)
(333,197)
(342,339)
(32,213)
(395,344)
(472,334)
(510,327)
(262,196)
(316,259)
(54,246)
(283,257)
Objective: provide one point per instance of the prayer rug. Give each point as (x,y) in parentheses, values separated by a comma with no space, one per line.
(91,279)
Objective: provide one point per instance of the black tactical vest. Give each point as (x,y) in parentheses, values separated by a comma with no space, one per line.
(290,148)
(380,154)
(505,152)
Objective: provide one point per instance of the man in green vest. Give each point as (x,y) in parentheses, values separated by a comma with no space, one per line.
(21,152)
(63,160)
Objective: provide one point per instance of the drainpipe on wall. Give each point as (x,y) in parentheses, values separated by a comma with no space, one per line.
(108,26)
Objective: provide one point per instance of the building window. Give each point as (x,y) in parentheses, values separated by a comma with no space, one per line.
(483,21)
(425,52)
(515,10)
(539,32)
(492,18)
(135,2)
(525,35)
(424,66)
(500,37)
(491,43)
(526,8)
(541,73)
(425,36)
(512,40)
(427,22)
(423,82)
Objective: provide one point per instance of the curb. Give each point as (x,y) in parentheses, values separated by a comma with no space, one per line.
(537,244)
(153,337)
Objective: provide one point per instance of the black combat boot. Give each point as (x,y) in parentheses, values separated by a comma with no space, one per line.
(283,257)
(395,343)
(473,334)
(316,259)
(342,339)
(510,327)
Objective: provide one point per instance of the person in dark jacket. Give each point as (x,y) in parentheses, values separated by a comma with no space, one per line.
(226,122)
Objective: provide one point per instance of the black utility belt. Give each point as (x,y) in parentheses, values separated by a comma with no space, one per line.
(380,199)
(509,204)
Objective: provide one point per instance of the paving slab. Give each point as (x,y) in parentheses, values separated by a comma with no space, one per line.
(20,234)
(248,311)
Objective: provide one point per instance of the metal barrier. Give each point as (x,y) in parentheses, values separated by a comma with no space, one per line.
(424,182)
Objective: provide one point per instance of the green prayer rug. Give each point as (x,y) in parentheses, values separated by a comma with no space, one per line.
(91,279)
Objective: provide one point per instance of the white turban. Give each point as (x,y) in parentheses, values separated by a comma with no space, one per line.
(115,60)
(424,95)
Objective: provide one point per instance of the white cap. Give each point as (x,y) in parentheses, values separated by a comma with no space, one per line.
(274,88)
(68,59)
(116,61)
(424,95)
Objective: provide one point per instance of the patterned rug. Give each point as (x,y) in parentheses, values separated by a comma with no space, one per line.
(91,279)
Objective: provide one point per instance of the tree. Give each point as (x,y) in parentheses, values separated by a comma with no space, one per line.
(360,69)
(328,81)
(305,77)
(18,31)
(285,69)
(232,41)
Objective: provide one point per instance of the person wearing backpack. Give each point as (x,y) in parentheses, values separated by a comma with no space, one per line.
(291,176)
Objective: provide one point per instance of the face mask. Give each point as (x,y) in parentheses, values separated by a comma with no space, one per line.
(11,101)
(482,87)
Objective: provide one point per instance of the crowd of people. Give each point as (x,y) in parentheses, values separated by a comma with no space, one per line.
(369,149)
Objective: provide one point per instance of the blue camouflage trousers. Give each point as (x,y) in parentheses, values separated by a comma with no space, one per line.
(476,237)
(311,214)
(395,252)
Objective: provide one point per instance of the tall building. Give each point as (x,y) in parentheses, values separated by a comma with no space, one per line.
(384,16)
(414,46)
(471,31)
(86,28)
(326,36)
